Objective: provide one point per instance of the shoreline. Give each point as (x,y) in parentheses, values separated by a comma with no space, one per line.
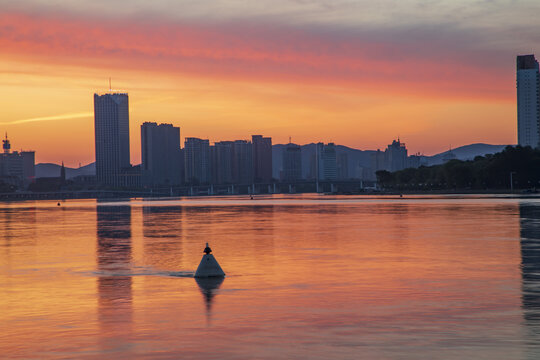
(111,195)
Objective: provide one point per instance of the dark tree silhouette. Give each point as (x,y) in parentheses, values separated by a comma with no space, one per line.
(484,172)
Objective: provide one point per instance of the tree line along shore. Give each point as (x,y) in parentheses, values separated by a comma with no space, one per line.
(514,168)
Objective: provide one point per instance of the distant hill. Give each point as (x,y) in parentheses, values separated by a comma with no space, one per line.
(53,170)
(467,152)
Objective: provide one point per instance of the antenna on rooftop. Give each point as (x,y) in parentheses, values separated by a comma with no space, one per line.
(289,139)
(110,87)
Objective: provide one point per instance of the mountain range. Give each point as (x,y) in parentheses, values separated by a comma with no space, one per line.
(53,170)
(356,159)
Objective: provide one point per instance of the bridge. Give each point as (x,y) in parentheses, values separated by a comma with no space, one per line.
(333,187)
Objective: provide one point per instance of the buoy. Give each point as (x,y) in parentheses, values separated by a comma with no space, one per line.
(58,204)
(209,265)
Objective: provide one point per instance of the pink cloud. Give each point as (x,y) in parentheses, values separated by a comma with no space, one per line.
(439,61)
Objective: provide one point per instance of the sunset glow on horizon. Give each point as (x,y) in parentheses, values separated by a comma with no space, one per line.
(356,74)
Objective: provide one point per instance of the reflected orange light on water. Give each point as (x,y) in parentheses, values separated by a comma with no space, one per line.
(305,277)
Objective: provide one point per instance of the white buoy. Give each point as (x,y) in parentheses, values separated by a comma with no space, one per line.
(209,265)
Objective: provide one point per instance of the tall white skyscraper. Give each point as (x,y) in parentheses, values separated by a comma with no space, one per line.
(528,101)
(111,124)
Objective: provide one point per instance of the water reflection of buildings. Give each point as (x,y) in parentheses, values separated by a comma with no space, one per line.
(114,262)
(162,231)
(17,228)
(530,264)
(19,224)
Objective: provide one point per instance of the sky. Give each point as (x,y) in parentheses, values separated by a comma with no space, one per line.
(436,74)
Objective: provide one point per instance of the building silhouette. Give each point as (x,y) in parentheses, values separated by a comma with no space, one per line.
(16,168)
(378,161)
(417,160)
(292,163)
(197,161)
(111,125)
(342,166)
(242,162)
(528,100)
(161,154)
(232,162)
(326,162)
(396,156)
(262,158)
(221,162)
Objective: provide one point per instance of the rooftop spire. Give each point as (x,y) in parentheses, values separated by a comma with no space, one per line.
(6,145)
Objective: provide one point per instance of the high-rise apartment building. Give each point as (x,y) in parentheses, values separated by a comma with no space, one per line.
(326,162)
(262,158)
(378,161)
(242,162)
(396,156)
(197,161)
(16,168)
(342,166)
(111,125)
(292,162)
(221,162)
(528,101)
(161,154)
(232,162)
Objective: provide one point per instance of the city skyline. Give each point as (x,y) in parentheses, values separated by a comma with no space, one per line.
(313,71)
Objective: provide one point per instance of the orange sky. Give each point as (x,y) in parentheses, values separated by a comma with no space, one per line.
(359,81)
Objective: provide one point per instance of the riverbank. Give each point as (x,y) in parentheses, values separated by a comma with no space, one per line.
(108,194)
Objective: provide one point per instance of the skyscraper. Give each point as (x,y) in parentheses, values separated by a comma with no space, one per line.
(262,158)
(396,156)
(242,162)
(111,125)
(342,166)
(378,162)
(197,160)
(528,100)
(326,162)
(231,162)
(160,152)
(221,162)
(292,162)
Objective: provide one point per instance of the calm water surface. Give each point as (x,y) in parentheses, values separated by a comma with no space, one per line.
(312,277)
